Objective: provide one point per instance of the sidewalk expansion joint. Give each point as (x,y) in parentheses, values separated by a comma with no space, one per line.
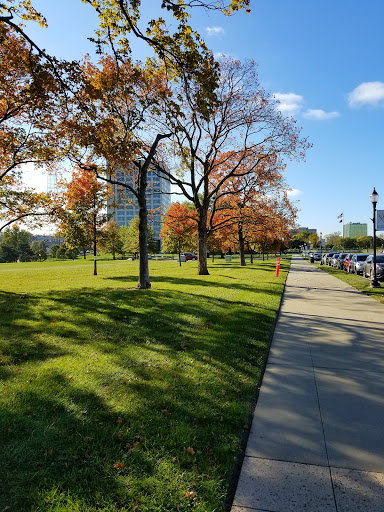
(322,428)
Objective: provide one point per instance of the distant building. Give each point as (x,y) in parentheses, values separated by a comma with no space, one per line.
(52,182)
(354,229)
(158,200)
(48,240)
(301,229)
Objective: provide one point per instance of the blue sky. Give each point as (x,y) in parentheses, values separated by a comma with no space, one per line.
(322,60)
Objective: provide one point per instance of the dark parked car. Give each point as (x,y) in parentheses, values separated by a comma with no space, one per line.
(189,256)
(357,263)
(347,262)
(368,266)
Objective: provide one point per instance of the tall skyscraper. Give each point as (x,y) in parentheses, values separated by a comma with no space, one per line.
(125,206)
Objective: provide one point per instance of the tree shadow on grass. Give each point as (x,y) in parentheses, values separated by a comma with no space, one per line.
(206,282)
(125,377)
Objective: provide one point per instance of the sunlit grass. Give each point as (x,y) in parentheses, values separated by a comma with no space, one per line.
(118,399)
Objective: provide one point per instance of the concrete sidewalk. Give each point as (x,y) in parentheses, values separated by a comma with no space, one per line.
(317,437)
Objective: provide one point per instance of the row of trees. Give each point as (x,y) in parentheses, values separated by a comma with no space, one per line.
(17,245)
(242,226)
(335,241)
(209,128)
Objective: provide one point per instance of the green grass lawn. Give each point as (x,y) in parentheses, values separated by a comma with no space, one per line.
(118,399)
(360,283)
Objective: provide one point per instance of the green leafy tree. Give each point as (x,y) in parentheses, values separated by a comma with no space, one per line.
(334,240)
(349,243)
(60,252)
(131,238)
(314,240)
(39,250)
(16,245)
(363,242)
(110,240)
(53,250)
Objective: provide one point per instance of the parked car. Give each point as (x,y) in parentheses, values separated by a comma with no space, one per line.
(368,266)
(334,260)
(347,262)
(357,263)
(189,256)
(316,256)
(329,256)
(340,261)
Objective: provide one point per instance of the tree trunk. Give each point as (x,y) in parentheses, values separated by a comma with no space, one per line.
(203,236)
(94,245)
(250,252)
(241,244)
(144,282)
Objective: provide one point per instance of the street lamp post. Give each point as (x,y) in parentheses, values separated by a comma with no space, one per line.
(374,200)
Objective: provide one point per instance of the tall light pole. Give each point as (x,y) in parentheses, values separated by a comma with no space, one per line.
(374,200)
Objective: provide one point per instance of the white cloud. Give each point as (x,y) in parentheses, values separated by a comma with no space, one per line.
(367,93)
(219,55)
(214,31)
(320,115)
(289,103)
(294,192)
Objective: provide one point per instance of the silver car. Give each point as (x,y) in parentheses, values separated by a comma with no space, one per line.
(357,263)
(335,260)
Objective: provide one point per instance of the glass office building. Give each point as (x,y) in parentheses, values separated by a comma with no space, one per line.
(125,203)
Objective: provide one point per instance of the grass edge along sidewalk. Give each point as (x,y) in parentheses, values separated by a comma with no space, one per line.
(361,284)
(118,399)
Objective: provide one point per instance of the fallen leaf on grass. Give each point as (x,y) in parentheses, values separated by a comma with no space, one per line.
(119,465)
(191,450)
(119,421)
(206,358)
(190,495)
